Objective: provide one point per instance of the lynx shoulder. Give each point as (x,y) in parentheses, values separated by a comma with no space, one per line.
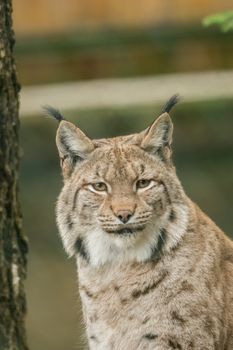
(154,271)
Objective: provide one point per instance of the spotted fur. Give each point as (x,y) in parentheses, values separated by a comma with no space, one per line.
(154,271)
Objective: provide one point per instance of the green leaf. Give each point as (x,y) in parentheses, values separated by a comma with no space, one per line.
(224,20)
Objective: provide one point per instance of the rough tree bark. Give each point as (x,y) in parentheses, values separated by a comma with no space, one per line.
(13,245)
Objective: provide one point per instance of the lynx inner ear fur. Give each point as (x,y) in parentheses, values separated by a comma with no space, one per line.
(159,135)
(73,146)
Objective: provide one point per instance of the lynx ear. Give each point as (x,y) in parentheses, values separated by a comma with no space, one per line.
(158,137)
(73,146)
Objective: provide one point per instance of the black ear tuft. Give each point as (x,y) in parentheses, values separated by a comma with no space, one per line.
(52,112)
(170,103)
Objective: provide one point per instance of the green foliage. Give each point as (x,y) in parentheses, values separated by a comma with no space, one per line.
(224,20)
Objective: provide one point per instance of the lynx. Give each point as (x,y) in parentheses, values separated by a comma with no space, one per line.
(154,271)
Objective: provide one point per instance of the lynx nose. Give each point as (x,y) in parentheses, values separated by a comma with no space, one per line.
(124,215)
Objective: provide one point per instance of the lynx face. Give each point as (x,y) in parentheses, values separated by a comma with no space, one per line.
(121,196)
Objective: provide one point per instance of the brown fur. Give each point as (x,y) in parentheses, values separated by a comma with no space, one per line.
(163,279)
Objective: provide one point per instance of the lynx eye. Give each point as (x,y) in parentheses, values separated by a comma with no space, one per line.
(99,186)
(143,183)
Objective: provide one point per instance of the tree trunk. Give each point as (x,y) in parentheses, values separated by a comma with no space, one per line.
(13,245)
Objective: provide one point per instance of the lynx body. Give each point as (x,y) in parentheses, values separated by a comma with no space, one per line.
(154,271)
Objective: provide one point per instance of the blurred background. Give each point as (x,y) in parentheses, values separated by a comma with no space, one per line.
(109,66)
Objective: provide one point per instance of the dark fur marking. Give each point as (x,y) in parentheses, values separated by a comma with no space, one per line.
(137,293)
(75,199)
(162,239)
(97,173)
(208,325)
(172,216)
(167,194)
(174,344)
(146,319)
(66,148)
(69,222)
(191,345)
(160,154)
(68,154)
(182,287)
(142,168)
(177,317)
(186,287)
(157,249)
(150,336)
(158,205)
(166,191)
(88,293)
(93,337)
(165,135)
(75,159)
(80,248)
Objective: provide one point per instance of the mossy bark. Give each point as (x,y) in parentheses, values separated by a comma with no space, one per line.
(13,245)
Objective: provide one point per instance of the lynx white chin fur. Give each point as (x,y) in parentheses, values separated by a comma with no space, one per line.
(154,271)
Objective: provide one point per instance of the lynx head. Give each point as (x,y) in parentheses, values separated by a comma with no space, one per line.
(121,199)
